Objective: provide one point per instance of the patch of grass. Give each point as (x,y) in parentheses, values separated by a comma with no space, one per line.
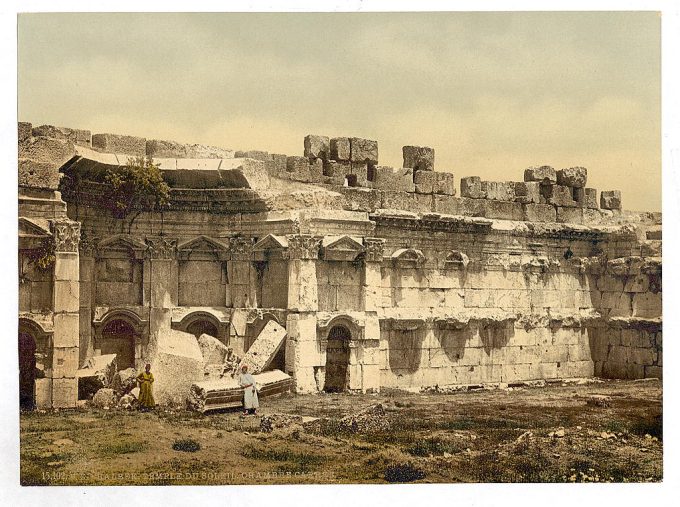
(116,448)
(36,469)
(648,426)
(434,447)
(403,472)
(295,461)
(186,445)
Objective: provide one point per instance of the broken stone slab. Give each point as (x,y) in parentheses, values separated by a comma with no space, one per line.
(340,149)
(127,402)
(363,150)
(395,180)
(114,143)
(499,190)
(561,195)
(572,177)
(227,393)
(586,197)
(177,364)
(543,174)
(317,147)
(76,136)
(471,186)
(97,373)
(156,148)
(418,158)
(124,381)
(214,351)
(369,420)
(528,192)
(264,348)
(610,199)
(104,398)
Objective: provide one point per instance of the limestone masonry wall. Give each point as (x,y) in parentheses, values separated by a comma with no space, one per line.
(382,277)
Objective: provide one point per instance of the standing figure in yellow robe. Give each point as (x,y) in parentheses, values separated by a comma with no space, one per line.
(145,381)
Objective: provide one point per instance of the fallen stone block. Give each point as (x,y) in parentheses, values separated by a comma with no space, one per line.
(104,398)
(127,402)
(369,420)
(395,180)
(76,136)
(177,364)
(271,422)
(572,177)
(340,149)
(610,199)
(317,147)
(114,143)
(363,150)
(97,373)
(264,348)
(471,186)
(528,192)
(543,174)
(499,190)
(418,158)
(124,381)
(226,393)
(213,351)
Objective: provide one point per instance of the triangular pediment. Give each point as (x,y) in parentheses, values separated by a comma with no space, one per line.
(408,256)
(122,242)
(344,243)
(271,242)
(202,243)
(31,229)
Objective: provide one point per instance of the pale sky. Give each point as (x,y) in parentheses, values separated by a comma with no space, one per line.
(493,93)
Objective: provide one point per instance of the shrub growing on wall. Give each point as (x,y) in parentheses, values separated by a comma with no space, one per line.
(136,186)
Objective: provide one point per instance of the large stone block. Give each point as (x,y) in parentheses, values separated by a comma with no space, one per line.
(358,176)
(363,150)
(472,207)
(38,174)
(165,149)
(610,199)
(47,150)
(177,364)
(76,136)
(425,181)
(64,392)
(265,347)
(499,190)
(364,199)
(562,196)
(114,143)
(43,393)
(471,186)
(586,197)
(503,210)
(569,215)
(528,192)
(446,204)
(340,149)
(445,184)
(64,362)
(304,170)
(543,174)
(418,158)
(572,177)
(540,213)
(213,350)
(66,330)
(66,296)
(395,180)
(317,147)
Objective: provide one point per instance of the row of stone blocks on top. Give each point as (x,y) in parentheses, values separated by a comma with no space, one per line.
(543,186)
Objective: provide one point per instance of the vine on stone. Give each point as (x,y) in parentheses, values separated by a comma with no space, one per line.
(138,186)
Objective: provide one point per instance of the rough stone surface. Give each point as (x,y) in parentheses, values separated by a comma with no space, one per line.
(499,190)
(317,147)
(25,131)
(425,181)
(528,192)
(540,213)
(340,149)
(589,198)
(543,174)
(213,350)
(418,158)
(76,136)
(114,143)
(124,381)
(471,186)
(610,199)
(363,150)
(104,398)
(264,348)
(572,177)
(370,419)
(177,364)
(395,180)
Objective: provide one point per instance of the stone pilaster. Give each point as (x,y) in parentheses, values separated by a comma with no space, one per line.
(161,266)
(66,308)
(242,286)
(87,249)
(372,276)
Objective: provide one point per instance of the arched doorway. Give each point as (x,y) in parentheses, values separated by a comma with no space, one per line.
(337,359)
(118,337)
(27,373)
(202,326)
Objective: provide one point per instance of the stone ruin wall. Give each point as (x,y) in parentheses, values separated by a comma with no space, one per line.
(508,282)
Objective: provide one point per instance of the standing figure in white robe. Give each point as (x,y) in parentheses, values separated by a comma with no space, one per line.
(250,401)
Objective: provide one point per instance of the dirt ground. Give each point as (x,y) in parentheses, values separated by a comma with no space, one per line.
(607,431)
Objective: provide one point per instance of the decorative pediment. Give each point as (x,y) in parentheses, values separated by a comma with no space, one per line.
(408,258)
(118,242)
(268,245)
(30,229)
(203,245)
(340,248)
(456,260)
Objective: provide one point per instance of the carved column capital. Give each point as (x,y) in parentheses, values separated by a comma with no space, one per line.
(88,244)
(374,249)
(303,246)
(240,248)
(161,247)
(66,235)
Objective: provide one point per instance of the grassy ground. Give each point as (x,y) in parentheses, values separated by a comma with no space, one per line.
(560,433)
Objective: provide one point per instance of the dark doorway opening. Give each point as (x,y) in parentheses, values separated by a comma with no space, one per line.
(118,337)
(200,326)
(27,373)
(337,359)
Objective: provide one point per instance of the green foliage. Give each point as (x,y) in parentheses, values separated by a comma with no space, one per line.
(43,257)
(186,445)
(136,186)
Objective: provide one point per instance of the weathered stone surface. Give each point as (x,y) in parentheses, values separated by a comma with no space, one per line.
(114,143)
(569,215)
(610,199)
(562,196)
(418,158)
(471,186)
(540,213)
(127,402)
(124,381)
(97,373)
(370,419)
(304,170)
(170,149)
(363,150)
(213,350)
(340,149)
(47,150)
(178,363)
(445,184)
(503,210)
(104,398)
(317,147)
(543,174)
(35,174)
(572,177)
(264,348)
(425,181)
(25,131)
(528,192)
(395,180)
(586,197)
(499,190)
(76,136)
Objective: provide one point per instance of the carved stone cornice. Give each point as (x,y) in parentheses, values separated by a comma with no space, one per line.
(161,247)
(66,235)
(241,249)
(374,249)
(303,246)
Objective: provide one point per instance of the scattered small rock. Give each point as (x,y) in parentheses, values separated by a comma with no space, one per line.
(557,433)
